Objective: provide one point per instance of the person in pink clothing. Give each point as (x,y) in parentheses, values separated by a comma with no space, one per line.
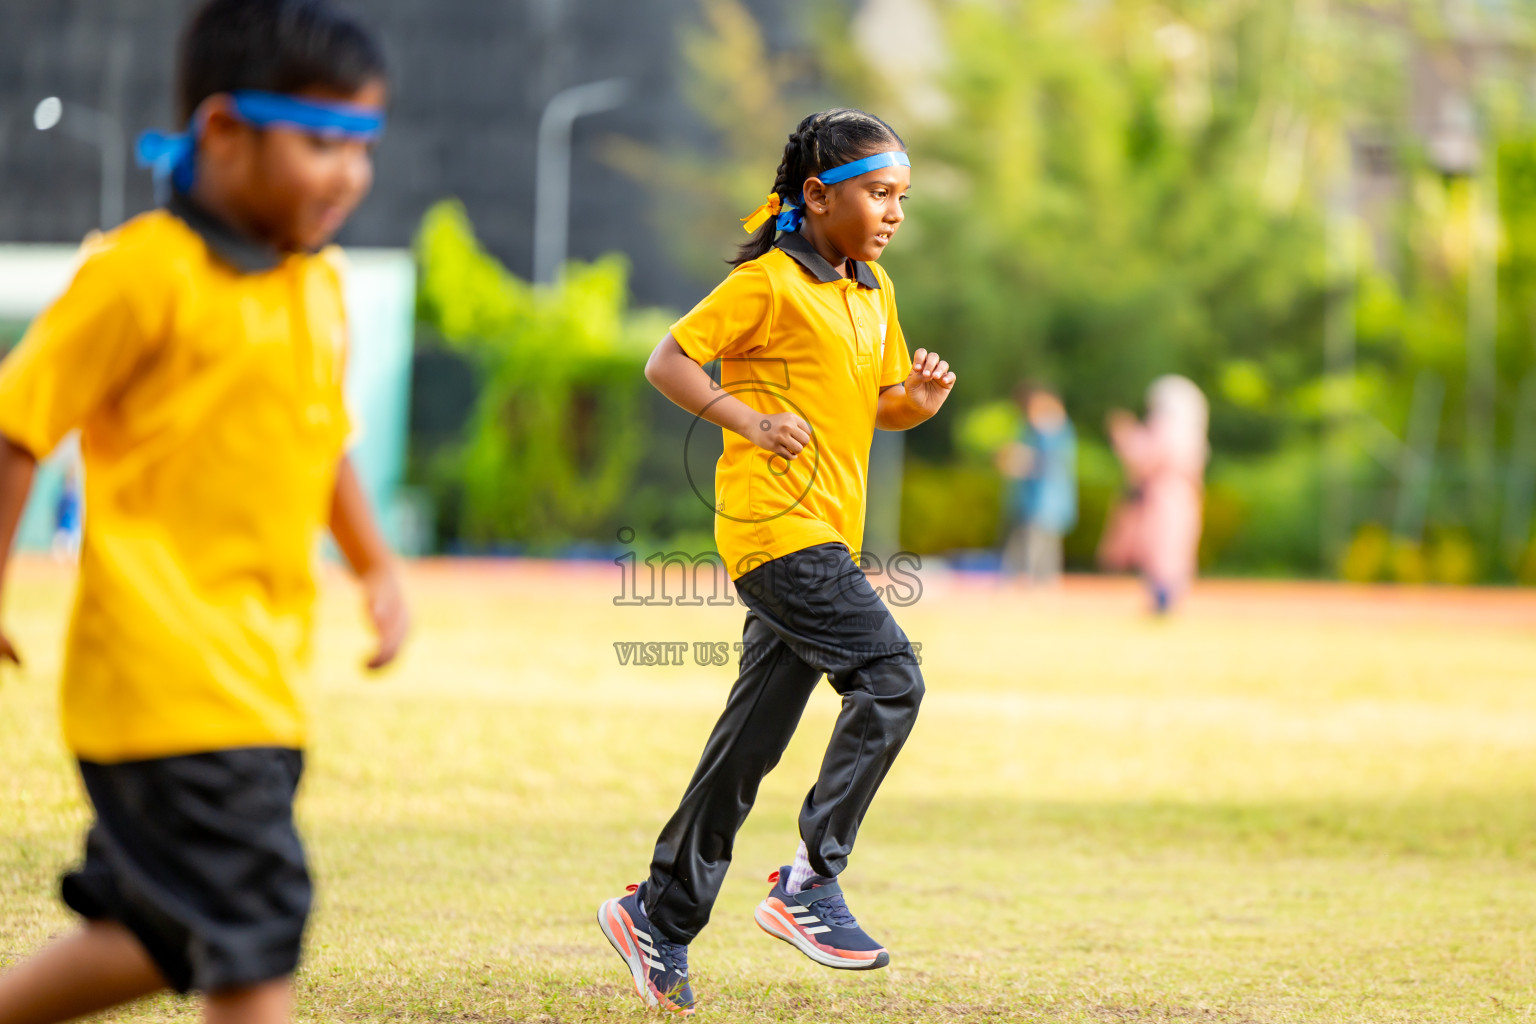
(1156,527)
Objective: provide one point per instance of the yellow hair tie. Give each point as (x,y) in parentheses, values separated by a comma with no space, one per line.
(760,215)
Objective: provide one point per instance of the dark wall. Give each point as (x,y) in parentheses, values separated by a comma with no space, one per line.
(470,78)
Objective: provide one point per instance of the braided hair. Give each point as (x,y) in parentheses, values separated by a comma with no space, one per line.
(820,142)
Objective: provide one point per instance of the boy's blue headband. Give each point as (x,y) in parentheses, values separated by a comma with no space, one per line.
(174,157)
(791,214)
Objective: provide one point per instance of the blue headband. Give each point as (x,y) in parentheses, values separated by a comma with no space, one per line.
(174,157)
(864,166)
(792,216)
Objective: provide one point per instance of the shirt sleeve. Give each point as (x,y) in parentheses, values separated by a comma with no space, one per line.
(733,319)
(74,358)
(895,361)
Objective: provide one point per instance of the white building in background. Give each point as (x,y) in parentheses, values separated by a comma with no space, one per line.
(904,42)
(381,296)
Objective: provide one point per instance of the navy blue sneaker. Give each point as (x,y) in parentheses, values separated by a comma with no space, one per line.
(659,968)
(816,921)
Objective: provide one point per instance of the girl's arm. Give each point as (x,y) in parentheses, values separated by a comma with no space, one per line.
(358,537)
(1132,442)
(674,374)
(903,406)
(16,468)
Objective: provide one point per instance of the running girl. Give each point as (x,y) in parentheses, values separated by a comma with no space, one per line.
(812,361)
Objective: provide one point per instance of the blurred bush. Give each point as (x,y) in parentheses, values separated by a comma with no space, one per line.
(1087,211)
(1105,193)
(559,425)
(960,505)
(950,507)
(1374,555)
(986,429)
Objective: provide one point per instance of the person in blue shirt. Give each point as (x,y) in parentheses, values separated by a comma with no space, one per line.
(66,514)
(1041,468)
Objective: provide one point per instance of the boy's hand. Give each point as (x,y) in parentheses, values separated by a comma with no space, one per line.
(1015,460)
(783,433)
(930,381)
(387,609)
(8,652)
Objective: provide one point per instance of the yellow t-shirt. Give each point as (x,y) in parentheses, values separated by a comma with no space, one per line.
(793,336)
(205,374)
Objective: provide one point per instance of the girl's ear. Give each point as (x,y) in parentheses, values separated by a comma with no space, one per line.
(815,195)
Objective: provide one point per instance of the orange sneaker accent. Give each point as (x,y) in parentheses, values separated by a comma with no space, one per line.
(619,922)
(779,922)
(617,926)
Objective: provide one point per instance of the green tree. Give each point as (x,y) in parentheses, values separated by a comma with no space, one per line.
(1108,191)
(559,426)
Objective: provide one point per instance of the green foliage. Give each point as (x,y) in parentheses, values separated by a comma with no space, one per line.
(986,429)
(950,507)
(1375,555)
(559,426)
(1099,486)
(1262,512)
(1107,192)
(1091,210)
(1453,273)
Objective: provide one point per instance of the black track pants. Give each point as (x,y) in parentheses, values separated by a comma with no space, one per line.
(810,612)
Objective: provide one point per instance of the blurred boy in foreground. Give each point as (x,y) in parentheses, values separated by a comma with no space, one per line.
(201,349)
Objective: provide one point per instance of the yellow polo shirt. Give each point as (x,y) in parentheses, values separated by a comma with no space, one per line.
(205,375)
(794,336)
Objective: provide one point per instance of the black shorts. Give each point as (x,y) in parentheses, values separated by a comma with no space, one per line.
(198,857)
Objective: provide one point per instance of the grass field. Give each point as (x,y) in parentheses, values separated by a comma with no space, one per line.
(1292,803)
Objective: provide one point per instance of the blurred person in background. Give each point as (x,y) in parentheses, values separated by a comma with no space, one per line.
(1155,529)
(67,520)
(1041,467)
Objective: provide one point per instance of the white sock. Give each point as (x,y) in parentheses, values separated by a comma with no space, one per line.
(801,872)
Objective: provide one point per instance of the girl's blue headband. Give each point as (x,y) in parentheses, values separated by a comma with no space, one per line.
(174,157)
(792,215)
(896,158)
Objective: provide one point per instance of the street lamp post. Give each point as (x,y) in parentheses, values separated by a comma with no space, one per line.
(101,130)
(552,181)
(1456,149)
(1342,260)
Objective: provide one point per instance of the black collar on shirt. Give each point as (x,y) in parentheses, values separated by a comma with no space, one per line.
(800,249)
(246,254)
